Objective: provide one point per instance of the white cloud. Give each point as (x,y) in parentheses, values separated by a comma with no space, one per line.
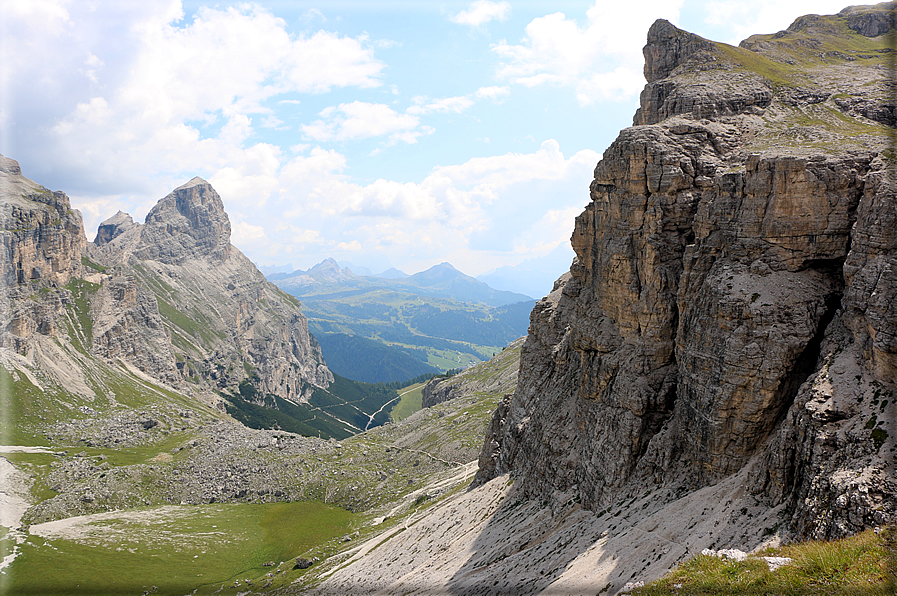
(497,202)
(481,12)
(158,97)
(552,230)
(604,53)
(233,59)
(362,120)
(353,246)
(617,84)
(313,14)
(746,18)
(299,235)
(247,235)
(446,105)
(251,182)
(493,93)
(499,171)
(326,60)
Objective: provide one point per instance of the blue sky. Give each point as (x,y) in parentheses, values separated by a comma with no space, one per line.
(385,133)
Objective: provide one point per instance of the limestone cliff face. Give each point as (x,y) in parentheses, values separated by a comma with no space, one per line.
(42,235)
(59,313)
(227,323)
(42,240)
(188,223)
(127,326)
(732,304)
(170,298)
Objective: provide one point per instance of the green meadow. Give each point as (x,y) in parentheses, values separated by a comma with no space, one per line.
(410,402)
(175,550)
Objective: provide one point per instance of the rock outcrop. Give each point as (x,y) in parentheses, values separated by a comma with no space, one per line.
(42,240)
(43,237)
(127,326)
(682,70)
(732,303)
(171,298)
(227,323)
(188,223)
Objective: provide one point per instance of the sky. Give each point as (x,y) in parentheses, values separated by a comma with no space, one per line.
(385,133)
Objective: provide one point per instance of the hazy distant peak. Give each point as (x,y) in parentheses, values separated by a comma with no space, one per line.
(391,273)
(328,264)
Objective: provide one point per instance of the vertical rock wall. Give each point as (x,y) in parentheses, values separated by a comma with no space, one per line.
(732,304)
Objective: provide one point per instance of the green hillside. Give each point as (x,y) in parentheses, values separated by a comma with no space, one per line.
(411,333)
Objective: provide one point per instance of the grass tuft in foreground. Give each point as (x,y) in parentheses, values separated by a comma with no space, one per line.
(862,565)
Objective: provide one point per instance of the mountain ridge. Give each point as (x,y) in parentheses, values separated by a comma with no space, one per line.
(440,281)
(183,250)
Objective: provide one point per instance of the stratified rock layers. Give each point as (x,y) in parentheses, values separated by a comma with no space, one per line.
(171,297)
(227,322)
(732,304)
(42,237)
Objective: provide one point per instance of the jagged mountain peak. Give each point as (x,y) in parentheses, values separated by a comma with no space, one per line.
(190,222)
(10,166)
(195,181)
(114,227)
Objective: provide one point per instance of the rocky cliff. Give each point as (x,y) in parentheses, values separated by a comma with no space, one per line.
(227,323)
(42,236)
(42,278)
(171,298)
(732,304)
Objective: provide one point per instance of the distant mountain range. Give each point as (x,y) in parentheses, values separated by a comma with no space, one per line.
(439,281)
(395,326)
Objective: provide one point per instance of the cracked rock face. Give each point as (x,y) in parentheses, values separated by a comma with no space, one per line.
(171,297)
(725,272)
(127,326)
(190,222)
(226,322)
(42,240)
(42,235)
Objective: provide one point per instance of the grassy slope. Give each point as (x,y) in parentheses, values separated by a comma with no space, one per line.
(823,56)
(339,411)
(176,553)
(439,332)
(409,404)
(368,360)
(865,565)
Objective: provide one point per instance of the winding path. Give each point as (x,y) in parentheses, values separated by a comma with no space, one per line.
(399,396)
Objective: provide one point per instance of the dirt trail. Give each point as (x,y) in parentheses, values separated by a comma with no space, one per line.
(396,398)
